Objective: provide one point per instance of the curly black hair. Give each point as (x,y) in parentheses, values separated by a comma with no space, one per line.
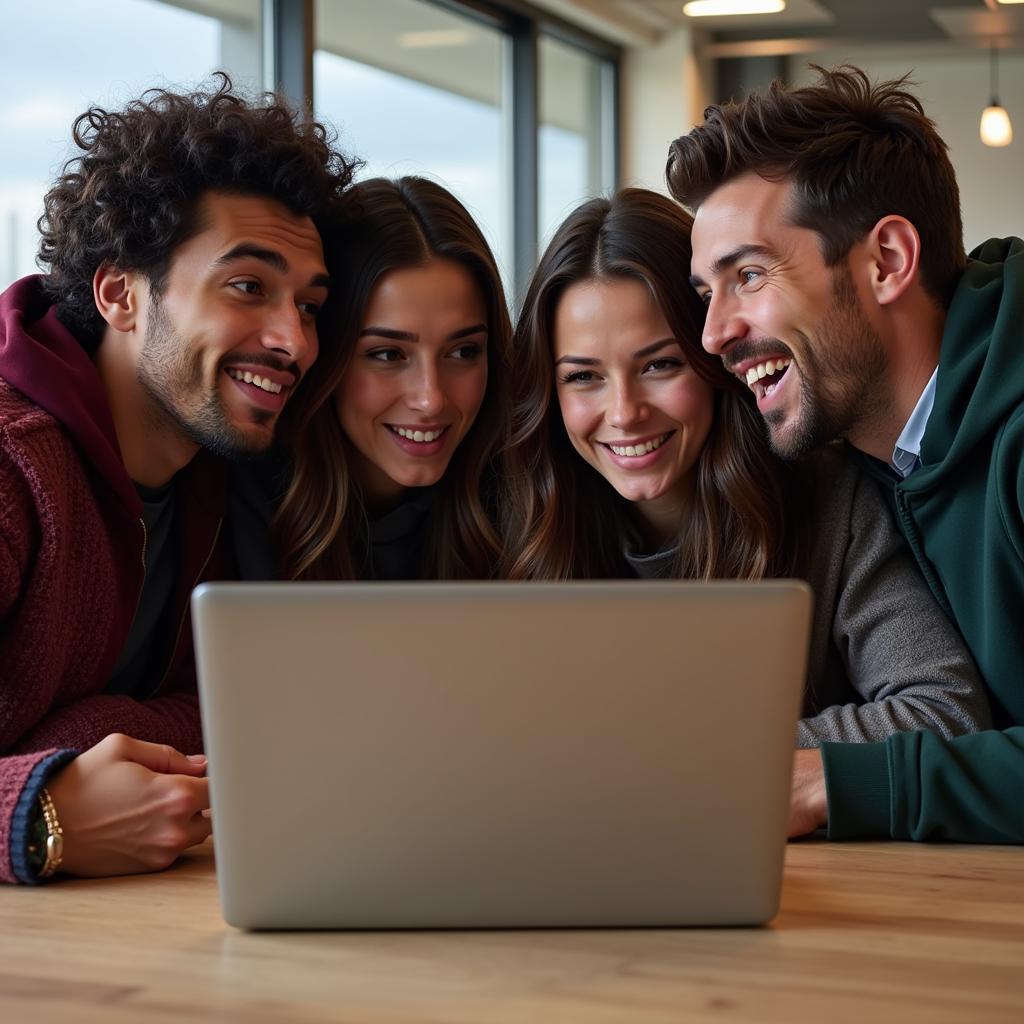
(130,198)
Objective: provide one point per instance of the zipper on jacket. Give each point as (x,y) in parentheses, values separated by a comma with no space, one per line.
(913,537)
(185,612)
(142,584)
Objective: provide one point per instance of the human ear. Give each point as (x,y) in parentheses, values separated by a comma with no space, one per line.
(115,293)
(894,248)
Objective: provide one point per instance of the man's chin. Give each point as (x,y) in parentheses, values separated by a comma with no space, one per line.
(790,440)
(236,444)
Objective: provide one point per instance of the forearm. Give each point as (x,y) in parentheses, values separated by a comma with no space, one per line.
(945,710)
(172,719)
(918,786)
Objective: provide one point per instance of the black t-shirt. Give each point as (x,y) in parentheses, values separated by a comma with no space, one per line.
(133,673)
(390,547)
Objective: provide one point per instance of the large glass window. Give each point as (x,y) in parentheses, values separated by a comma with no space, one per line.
(575,139)
(416,89)
(58,57)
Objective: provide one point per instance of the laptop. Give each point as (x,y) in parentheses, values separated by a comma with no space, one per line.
(500,755)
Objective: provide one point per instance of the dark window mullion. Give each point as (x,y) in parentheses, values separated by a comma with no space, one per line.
(290,24)
(525,117)
(611,107)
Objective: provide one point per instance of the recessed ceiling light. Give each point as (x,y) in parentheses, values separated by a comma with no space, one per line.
(722,8)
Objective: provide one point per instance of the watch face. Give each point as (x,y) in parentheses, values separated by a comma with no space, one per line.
(54,836)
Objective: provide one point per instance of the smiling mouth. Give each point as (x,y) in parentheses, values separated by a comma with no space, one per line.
(632,451)
(765,377)
(263,383)
(417,436)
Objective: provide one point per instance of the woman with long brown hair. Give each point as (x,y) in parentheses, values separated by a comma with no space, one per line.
(635,454)
(390,449)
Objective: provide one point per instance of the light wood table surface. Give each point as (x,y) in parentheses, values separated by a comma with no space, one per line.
(872,932)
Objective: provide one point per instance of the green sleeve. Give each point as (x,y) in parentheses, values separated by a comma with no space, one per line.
(918,786)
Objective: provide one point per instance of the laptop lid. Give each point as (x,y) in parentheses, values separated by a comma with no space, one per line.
(500,755)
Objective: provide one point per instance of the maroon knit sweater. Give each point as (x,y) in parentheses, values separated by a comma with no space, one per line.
(71,560)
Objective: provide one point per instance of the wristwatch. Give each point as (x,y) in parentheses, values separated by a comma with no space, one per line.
(46,837)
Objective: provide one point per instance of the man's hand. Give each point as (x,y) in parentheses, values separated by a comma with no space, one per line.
(808,805)
(127,806)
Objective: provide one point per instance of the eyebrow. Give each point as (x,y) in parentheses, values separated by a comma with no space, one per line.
(729,258)
(388,332)
(647,350)
(273,259)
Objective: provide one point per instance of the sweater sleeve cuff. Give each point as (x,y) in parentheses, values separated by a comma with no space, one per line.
(857,789)
(21,820)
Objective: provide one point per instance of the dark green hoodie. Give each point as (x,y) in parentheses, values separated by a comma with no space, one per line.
(962,513)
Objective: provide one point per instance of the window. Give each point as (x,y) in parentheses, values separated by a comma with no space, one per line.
(102,53)
(416,89)
(510,108)
(576,138)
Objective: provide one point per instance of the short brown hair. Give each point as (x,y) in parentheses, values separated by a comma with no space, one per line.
(856,151)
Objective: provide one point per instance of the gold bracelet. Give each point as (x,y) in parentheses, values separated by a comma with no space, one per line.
(54,835)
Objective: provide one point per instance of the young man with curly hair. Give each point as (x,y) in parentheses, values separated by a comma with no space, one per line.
(177,317)
(828,248)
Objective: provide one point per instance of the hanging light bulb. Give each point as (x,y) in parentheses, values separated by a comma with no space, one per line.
(996,129)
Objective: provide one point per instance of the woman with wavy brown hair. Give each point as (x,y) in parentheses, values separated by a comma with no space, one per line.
(390,450)
(569,522)
(633,453)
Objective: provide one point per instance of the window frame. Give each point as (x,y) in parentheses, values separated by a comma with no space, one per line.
(288,42)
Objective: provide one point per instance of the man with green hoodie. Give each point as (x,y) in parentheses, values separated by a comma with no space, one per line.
(828,248)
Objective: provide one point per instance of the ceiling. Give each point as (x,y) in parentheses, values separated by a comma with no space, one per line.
(812,24)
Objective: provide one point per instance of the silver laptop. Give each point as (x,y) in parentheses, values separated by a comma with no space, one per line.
(500,755)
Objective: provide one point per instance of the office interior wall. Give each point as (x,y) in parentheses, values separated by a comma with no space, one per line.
(665,88)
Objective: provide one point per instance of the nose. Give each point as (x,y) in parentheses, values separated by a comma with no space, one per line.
(288,333)
(628,406)
(425,394)
(722,325)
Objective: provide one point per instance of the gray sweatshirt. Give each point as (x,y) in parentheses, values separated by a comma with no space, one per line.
(883,656)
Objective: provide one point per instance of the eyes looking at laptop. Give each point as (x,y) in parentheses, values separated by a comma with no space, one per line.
(633,407)
(416,378)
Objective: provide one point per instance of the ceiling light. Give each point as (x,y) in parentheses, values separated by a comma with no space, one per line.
(722,8)
(996,129)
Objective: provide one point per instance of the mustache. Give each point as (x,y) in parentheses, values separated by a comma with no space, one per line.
(742,351)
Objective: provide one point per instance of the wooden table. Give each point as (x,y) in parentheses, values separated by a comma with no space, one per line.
(867,932)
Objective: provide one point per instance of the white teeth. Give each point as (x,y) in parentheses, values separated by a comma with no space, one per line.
(632,450)
(263,383)
(420,436)
(766,369)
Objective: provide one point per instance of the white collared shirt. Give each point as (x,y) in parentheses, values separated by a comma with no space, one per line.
(906,456)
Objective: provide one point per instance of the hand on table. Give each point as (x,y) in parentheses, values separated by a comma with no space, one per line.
(808,805)
(127,806)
